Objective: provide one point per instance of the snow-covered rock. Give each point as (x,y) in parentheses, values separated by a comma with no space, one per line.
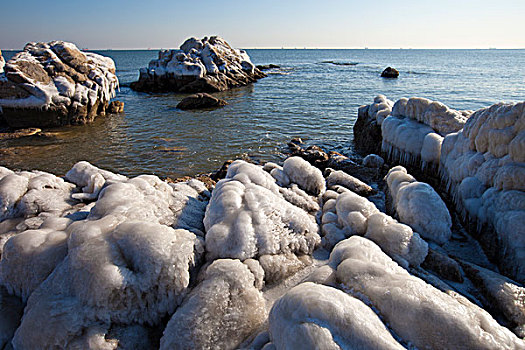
(312,316)
(247,217)
(55,83)
(205,65)
(2,63)
(220,312)
(419,206)
(484,167)
(417,312)
(349,214)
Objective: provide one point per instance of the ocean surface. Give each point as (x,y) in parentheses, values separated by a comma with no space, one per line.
(308,98)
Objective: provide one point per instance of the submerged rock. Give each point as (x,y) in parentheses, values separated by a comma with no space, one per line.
(206,65)
(201,100)
(390,72)
(267,66)
(116,107)
(52,84)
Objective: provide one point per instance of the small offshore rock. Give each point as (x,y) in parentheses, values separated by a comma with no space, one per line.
(373,161)
(201,100)
(390,72)
(267,66)
(116,107)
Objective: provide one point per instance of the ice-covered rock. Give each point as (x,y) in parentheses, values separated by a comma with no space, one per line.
(132,272)
(49,84)
(484,168)
(2,63)
(367,128)
(205,65)
(338,177)
(349,214)
(417,312)
(220,312)
(312,316)
(373,161)
(306,176)
(90,179)
(29,257)
(419,206)
(26,194)
(247,217)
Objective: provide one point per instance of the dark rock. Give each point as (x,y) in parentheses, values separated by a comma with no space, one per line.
(221,173)
(267,66)
(201,100)
(444,266)
(367,133)
(390,72)
(116,107)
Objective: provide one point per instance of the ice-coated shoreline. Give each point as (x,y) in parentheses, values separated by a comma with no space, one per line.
(339,255)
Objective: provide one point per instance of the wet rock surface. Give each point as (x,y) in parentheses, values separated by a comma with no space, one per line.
(199,101)
(200,65)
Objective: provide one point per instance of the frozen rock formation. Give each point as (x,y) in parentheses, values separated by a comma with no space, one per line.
(307,177)
(220,312)
(50,84)
(123,273)
(484,167)
(348,214)
(340,178)
(2,64)
(247,217)
(419,206)
(206,65)
(367,128)
(25,194)
(312,316)
(373,161)
(90,179)
(430,318)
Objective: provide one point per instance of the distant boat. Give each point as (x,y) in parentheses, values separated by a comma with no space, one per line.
(492,48)
(366,48)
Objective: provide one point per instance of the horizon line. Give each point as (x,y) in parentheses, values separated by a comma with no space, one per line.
(305,48)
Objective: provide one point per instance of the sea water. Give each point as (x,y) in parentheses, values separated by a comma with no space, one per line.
(314,95)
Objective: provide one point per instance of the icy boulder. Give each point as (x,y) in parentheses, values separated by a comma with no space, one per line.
(205,65)
(484,167)
(90,179)
(247,217)
(25,194)
(2,63)
(133,272)
(367,128)
(312,316)
(419,206)
(29,257)
(349,214)
(417,312)
(220,312)
(50,84)
(306,176)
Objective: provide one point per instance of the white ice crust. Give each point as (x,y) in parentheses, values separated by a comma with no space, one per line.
(419,206)
(248,217)
(431,319)
(197,58)
(220,312)
(312,316)
(100,84)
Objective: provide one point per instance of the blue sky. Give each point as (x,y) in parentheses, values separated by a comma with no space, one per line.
(354,24)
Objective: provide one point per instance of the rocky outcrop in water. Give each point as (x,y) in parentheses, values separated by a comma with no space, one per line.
(201,100)
(52,84)
(477,156)
(390,72)
(205,65)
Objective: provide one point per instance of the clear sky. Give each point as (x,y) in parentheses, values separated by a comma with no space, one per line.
(120,24)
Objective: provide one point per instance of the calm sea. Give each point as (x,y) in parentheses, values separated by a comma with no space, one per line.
(306,98)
